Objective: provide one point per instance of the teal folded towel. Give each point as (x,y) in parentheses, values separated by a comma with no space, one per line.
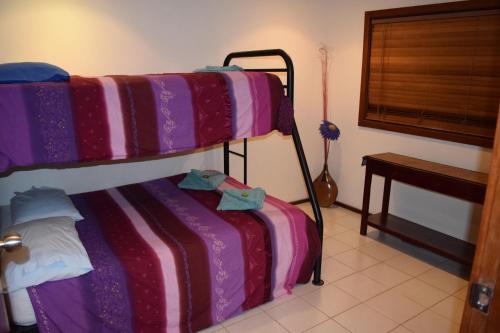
(232,68)
(202,180)
(233,199)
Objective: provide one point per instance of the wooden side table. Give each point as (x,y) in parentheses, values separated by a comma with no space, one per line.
(456,182)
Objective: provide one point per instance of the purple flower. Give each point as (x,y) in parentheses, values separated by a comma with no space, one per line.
(329,130)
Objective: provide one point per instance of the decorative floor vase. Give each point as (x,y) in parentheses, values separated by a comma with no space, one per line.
(325,188)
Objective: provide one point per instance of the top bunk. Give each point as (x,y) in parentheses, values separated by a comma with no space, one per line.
(96,119)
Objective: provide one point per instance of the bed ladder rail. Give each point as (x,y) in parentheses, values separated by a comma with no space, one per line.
(227,151)
(295,135)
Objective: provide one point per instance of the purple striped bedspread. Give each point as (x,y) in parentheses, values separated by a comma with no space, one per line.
(166,260)
(118,117)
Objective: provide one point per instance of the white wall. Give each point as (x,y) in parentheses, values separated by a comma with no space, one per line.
(96,37)
(452,216)
(130,37)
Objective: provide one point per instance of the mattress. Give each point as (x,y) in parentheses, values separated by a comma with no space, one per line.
(166,260)
(5,220)
(21,310)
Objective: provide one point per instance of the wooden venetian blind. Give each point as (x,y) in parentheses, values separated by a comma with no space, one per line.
(436,75)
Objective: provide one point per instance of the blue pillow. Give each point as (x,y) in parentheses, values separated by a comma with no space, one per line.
(20,72)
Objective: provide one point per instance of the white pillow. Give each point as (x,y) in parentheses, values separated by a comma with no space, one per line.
(40,203)
(51,251)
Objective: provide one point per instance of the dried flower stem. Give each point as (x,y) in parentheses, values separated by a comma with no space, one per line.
(324,80)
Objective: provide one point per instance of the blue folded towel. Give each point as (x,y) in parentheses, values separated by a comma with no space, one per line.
(202,180)
(232,68)
(233,199)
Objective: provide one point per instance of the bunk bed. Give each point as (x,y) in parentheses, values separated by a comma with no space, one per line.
(224,262)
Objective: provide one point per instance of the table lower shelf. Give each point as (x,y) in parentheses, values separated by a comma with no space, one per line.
(429,239)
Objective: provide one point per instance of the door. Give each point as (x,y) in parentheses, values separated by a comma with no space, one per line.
(486,266)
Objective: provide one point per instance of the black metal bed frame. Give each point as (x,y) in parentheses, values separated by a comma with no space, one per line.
(295,135)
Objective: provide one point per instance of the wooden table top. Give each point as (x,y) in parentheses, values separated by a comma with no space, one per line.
(438,168)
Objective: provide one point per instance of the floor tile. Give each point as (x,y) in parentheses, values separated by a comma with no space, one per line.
(356,259)
(461,294)
(421,253)
(329,326)
(332,246)
(331,300)
(333,270)
(379,251)
(353,238)
(400,329)
(460,270)
(297,315)
(363,319)
(331,229)
(245,315)
(336,212)
(451,308)
(262,323)
(388,239)
(360,286)
(350,221)
(395,306)
(443,280)
(302,289)
(420,292)
(430,322)
(331,213)
(279,300)
(386,275)
(408,265)
(214,329)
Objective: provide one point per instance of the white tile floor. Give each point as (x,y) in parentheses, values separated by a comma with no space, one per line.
(372,284)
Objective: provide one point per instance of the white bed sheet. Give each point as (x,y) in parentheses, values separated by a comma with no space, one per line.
(22,312)
(21,309)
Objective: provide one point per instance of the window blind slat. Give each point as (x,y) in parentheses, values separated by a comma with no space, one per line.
(447,91)
(417,105)
(458,128)
(476,81)
(449,51)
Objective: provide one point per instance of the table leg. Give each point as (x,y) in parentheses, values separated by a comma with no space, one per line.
(366,201)
(385,200)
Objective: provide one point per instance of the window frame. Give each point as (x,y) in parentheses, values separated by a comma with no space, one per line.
(425,10)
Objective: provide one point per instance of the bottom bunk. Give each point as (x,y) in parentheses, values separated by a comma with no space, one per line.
(165,259)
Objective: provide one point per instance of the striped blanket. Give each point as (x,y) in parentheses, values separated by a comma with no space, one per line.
(118,117)
(166,260)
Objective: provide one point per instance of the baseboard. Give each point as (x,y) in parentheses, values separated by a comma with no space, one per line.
(348,207)
(338,203)
(298,202)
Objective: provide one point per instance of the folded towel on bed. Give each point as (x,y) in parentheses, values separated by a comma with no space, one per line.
(232,68)
(202,180)
(233,199)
